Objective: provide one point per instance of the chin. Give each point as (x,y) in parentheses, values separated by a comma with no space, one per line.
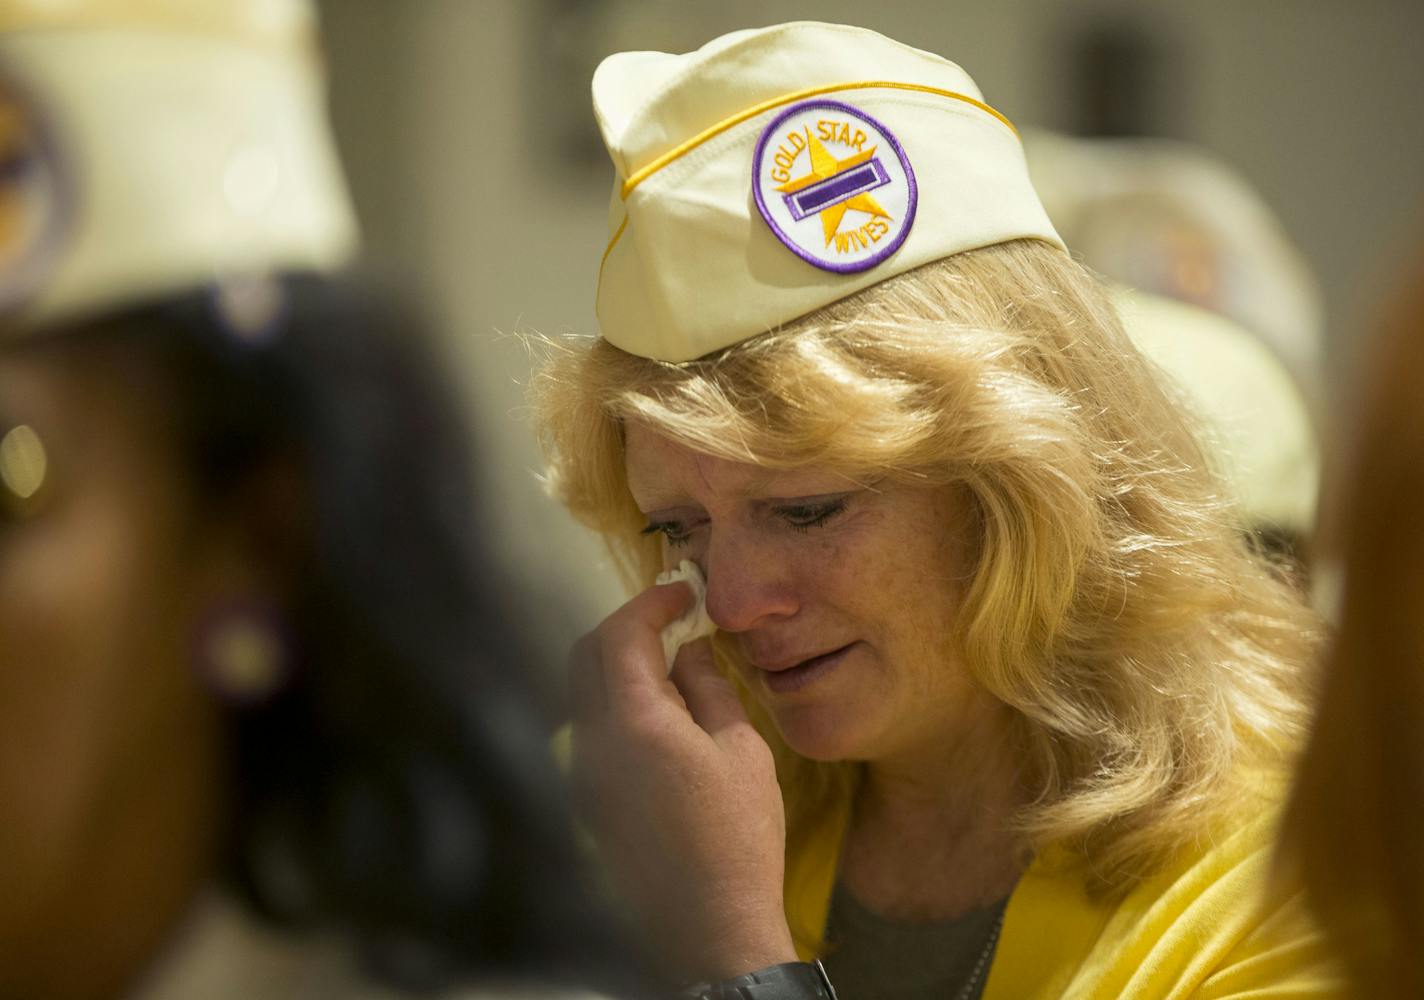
(822,734)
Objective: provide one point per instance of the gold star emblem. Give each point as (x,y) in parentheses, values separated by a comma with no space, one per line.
(825,166)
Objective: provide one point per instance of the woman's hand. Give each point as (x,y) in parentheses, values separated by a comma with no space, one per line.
(680,793)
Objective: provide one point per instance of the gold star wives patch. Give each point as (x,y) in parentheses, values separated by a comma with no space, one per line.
(34,198)
(834,185)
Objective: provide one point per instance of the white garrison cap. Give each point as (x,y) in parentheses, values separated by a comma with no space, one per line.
(777,170)
(147,146)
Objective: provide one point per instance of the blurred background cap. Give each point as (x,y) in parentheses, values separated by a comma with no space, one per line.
(1259,426)
(147,146)
(1165,217)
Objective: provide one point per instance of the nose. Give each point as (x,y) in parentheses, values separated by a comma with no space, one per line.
(748,584)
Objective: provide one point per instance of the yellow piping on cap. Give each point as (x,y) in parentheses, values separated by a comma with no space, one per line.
(639,176)
(604,259)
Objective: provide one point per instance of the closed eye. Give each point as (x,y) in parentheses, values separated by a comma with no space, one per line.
(812,513)
(800,514)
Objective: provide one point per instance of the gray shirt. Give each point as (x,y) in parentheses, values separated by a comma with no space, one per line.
(871,958)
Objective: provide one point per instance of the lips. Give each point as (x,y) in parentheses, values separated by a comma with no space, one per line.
(789,676)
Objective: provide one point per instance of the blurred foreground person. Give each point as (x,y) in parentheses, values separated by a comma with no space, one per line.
(1356,825)
(1000,701)
(266,726)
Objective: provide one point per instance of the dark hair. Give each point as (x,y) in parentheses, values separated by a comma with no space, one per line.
(400,786)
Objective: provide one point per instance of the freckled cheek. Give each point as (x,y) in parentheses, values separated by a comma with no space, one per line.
(901,586)
(820,572)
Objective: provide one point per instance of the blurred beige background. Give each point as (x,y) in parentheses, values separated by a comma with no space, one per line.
(470,147)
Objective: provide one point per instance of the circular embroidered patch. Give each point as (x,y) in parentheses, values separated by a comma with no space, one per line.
(34,198)
(834,185)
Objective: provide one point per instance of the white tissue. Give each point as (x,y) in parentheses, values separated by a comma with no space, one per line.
(694,624)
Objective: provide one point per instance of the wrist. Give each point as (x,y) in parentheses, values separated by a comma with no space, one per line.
(737,955)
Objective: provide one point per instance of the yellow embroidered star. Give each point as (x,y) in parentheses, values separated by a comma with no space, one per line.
(825,166)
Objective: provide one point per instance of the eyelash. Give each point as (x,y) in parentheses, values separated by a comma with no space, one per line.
(672,531)
(801,517)
(804,517)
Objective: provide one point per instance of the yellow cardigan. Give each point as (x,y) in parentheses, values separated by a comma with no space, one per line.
(1202,928)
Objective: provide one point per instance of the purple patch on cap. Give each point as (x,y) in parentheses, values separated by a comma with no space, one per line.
(37,197)
(842,187)
(827,185)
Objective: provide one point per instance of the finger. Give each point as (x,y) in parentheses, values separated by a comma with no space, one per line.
(631,640)
(710,697)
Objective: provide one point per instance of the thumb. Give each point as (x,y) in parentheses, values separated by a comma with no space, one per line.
(710,697)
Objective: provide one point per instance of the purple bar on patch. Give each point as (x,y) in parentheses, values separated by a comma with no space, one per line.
(834,190)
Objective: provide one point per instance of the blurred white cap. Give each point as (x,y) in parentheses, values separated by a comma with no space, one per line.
(1169,218)
(148,146)
(1261,430)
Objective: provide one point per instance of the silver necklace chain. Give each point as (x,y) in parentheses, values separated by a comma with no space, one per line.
(967,990)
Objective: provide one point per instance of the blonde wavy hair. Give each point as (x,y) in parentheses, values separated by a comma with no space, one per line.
(1152,659)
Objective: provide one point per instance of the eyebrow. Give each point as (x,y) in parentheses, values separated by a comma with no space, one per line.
(660,501)
(755,487)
